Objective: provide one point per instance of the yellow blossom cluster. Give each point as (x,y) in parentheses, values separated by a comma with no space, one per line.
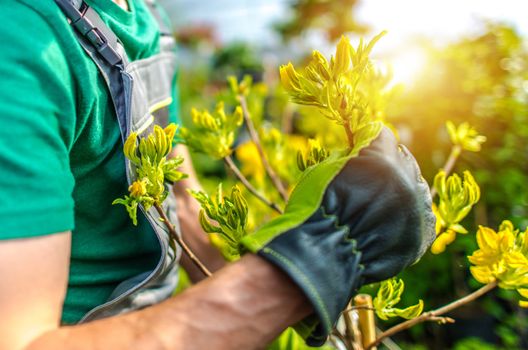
(456,198)
(214,133)
(465,136)
(503,257)
(341,89)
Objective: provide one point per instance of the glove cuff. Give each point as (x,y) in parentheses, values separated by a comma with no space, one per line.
(308,259)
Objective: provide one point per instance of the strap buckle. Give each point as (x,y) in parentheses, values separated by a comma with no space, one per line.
(93,34)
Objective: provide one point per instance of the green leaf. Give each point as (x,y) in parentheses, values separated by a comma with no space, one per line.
(389,294)
(411,311)
(365,135)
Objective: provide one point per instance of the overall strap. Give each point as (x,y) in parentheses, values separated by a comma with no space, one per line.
(155,11)
(102,45)
(88,23)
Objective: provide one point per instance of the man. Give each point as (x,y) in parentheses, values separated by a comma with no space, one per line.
(65,251)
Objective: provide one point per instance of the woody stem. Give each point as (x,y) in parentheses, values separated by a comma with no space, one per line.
(350,136)
(232,166)
(433,315)
(176,237)
(256,140)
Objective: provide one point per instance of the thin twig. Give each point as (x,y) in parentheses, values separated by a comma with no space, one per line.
(231,165)
(435,314)
(176,237)
(256,140)
(358,307)
(449,164)
(333,342)
(388,342)
(352,333)
(356,342)
(341,338)
(350,136)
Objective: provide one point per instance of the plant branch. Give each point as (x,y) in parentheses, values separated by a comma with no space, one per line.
(350,136)
(335,333)
(231,165)
(434,315)
(352,332)
(176,237)
(358,307)
(449,164)
(256,140)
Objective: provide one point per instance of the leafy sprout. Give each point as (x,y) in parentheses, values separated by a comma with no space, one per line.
(152,169)
(314,154)
(240,88)
(341,89)
(214,133)
(456,199)
(503,257)
(226,216)
(389,294)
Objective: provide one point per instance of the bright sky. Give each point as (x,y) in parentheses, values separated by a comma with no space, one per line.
(441,21)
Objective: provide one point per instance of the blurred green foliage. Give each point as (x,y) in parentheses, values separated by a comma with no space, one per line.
(481,80)
(333,18)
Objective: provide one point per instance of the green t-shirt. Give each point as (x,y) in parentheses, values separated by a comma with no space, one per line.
(61,159)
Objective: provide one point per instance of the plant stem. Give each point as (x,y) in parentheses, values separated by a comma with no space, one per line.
(231,165)
(350,136)
(357,307)
(434,315)
(352,332)
(256,140)
(176,237)
(449,164)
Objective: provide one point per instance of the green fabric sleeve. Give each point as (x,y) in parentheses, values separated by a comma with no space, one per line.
(35,128)
(174,107)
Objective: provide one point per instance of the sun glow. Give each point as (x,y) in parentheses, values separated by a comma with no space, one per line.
(407,64)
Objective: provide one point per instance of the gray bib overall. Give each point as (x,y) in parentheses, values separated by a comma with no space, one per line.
(141,92)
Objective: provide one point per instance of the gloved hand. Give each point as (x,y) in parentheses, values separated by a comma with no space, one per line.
(368,223)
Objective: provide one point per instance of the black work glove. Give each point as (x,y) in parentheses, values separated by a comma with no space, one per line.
(374,219)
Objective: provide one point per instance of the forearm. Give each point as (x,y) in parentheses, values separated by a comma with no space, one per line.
(243,306)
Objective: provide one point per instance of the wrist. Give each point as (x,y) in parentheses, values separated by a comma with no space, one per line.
(243,306)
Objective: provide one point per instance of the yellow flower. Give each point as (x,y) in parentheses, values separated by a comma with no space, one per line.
(465,136)
(289,78)
(442,241)
(456,199)
(524,293)
(502,256)
(249,157)
(280,150)
(342,58)
(213,133)
(138,188)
